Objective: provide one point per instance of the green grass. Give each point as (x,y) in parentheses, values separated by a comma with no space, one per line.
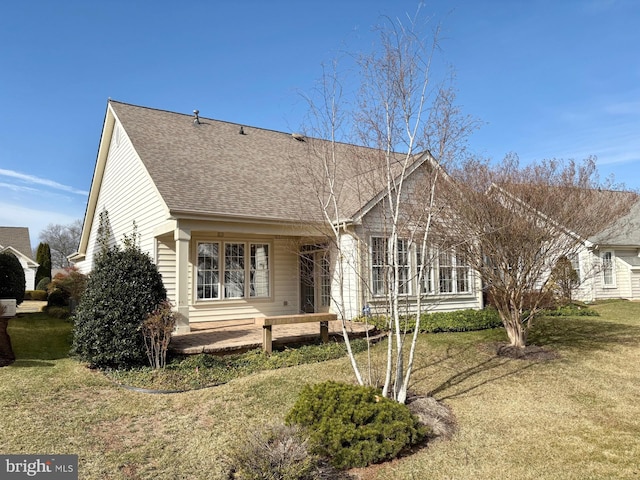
(576,417)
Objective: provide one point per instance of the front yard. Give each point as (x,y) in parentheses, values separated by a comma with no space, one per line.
(575,417)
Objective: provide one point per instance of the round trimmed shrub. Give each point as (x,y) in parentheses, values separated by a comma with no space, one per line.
(354,426)
(123,288)
(42,284)
(12,281)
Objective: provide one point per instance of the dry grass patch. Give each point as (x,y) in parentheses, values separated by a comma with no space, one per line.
(576,417)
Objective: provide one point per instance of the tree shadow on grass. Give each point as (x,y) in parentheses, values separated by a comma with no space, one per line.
(31,364)
(582,333)
(477,375)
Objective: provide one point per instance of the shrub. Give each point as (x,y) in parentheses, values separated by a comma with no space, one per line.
(354,426)
(40,295)
(12,281)
(458,321)
(71,283)
(122,289)
(156,331)
(42,284)
(273,452)
(57,298)
(43,257)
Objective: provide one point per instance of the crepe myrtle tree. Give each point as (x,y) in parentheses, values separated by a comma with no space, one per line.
(513,223)
(406,113)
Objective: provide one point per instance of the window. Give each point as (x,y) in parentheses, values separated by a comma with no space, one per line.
(426,286)
(259,273)
(574,258)
(325,280)
(380,264)
(453,273)
(234,270)
(237,270)
(208,271)
(445,273)
(608,278)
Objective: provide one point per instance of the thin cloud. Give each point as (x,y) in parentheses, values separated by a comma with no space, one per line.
(31,179)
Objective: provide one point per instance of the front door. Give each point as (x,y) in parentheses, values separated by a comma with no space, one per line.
(315,279)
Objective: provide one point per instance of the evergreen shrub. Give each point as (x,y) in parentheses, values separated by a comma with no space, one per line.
(458,321)
(123,288)
(42,284)
(12,280)
(354,426)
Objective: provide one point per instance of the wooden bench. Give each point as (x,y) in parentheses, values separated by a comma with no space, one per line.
(268,322)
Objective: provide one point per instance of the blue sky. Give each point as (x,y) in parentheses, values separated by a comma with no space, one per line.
(547,78)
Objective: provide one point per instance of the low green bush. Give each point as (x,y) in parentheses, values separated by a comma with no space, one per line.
(42,284)
(571,310)
(458,321)
(354,426)
(40,295)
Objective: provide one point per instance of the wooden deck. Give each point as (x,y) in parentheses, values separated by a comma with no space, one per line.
(231,337)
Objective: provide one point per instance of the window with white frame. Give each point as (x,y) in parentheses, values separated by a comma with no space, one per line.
(380,264)
(454,274)
(232,270)
(574,258)
(608,278)
(426,283)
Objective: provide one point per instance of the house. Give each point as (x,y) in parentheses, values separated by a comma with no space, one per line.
(230,215)
(16,241)
(609,262)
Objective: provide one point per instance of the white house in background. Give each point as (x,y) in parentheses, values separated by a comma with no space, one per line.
(235,229)
(16,241)
(609,263)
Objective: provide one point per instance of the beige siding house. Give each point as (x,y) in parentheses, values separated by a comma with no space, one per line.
(231,216)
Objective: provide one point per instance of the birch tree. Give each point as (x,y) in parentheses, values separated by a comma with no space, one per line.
(404,117)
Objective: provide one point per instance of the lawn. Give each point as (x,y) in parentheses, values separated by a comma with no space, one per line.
(575,417)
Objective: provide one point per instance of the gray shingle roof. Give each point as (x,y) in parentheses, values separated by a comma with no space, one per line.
(211,168)
(623,231)
(18,238)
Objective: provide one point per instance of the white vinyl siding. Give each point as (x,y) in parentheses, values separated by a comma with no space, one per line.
(128,195)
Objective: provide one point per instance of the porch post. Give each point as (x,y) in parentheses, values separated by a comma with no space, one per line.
(182,238)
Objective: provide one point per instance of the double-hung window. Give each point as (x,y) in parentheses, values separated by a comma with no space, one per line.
(228,270)
(426,283)
(608,278)
(453,273)
(380,265)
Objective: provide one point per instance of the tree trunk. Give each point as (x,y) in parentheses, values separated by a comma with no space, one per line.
(515,330)
(7,357)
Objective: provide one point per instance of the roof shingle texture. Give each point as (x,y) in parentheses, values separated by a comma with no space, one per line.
(211,168)
(18,238)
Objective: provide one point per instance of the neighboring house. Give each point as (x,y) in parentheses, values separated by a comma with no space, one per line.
(16,240)
(609,265)
(234,225)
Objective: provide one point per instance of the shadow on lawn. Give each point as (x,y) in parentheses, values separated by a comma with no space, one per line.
(582,333)
(552,334)
(31,364)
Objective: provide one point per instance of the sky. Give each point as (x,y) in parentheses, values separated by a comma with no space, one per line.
(546,78)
